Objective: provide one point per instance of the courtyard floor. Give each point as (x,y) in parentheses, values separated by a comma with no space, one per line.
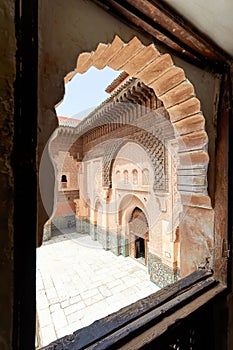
(78,282)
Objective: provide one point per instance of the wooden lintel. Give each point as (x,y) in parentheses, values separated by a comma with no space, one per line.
(170,29)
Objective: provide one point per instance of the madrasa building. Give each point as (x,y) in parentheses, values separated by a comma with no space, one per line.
(121,181)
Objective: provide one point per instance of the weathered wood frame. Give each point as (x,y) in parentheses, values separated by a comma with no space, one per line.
(139,324)
(25,150)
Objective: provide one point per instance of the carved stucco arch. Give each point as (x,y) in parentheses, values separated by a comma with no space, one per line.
(113,149)
(96,202)
(127,210)
(171,86)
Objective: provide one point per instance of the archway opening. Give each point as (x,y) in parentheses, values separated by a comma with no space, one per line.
(138,227)
(140,248)
(169,84)
(92,231)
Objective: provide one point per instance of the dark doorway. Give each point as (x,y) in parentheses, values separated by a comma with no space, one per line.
(138,228)
(140,248)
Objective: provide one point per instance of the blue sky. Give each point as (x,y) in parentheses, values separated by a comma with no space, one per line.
(86,91)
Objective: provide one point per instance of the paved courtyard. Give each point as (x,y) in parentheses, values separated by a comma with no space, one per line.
(78,283)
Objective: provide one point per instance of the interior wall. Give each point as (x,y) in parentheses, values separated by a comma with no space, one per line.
(7,78)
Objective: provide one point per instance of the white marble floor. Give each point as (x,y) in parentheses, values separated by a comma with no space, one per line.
(78,282)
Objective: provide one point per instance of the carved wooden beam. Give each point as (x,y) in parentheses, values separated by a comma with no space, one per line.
(169,29)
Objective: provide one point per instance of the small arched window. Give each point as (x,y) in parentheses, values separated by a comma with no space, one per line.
(63,181)
(63,178)
(118,176)
(145,177)
(135,177)
(126,177)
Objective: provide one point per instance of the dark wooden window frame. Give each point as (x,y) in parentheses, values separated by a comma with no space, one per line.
(149,318)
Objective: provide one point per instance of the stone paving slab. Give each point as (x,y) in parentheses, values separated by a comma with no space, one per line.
(78,282)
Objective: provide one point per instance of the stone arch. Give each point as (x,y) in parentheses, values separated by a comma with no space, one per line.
(135,176)
(126,208)
(97,209)
(126,176)
(96,203)
(87,204)
(156,153)
(139,236)
(145,176)
(117,176)
(171,86)
(97,234)
(138,218)
(127,204)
